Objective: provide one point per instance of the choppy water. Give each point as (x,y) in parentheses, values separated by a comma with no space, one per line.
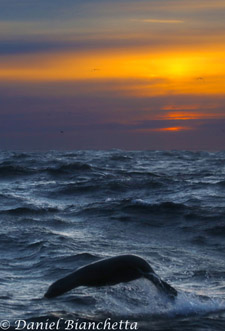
(61,210)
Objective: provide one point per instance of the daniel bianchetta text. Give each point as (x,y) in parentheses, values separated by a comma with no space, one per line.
(76,324)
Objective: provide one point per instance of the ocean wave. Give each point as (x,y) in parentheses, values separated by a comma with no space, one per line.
(15,169)
(184,214)
(77,188)
(104,184)
(134,206)
(35,244)
(156,207)
(10,170)
(218,231)
(120,158)
(80,258)
(29,210)
(69,168)
(220,183)
(62,210)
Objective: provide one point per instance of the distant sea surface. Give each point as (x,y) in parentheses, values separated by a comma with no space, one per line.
(62,210)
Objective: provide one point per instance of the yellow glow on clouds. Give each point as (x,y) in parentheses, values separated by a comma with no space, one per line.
(161,72)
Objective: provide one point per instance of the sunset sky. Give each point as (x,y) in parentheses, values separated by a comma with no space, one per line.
(102,74)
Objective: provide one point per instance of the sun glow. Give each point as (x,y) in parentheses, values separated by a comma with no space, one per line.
(178,67)
(155,73)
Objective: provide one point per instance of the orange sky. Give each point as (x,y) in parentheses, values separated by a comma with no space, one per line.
(182,71)
(168,50)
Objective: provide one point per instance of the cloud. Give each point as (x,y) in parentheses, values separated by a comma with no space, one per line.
(161,21)
(147,89)
(167,129)
(155,73)
(105,120)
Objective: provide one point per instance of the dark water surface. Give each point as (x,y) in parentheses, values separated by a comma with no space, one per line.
(61,210)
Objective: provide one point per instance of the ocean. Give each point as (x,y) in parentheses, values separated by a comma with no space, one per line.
(62,210)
